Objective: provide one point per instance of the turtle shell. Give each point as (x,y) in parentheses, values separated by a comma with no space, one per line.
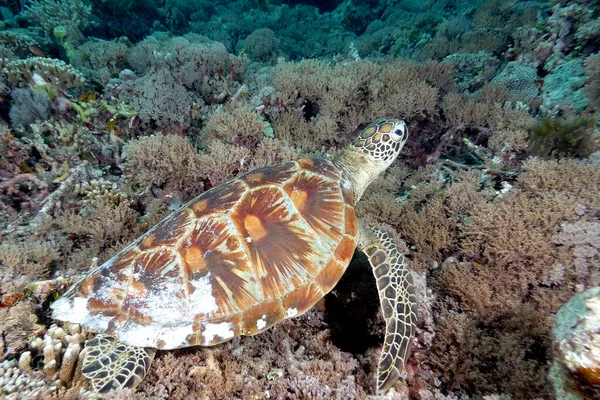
(234,261)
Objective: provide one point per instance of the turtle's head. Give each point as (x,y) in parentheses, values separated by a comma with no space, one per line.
(382,140)
(374,149)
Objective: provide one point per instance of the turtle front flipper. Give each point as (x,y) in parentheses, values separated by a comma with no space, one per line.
(398,306)
(110,364)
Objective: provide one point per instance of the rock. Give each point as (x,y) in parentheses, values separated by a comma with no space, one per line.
(575,373)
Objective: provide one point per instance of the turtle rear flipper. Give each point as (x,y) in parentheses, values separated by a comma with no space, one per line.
(110,364)
(398,306)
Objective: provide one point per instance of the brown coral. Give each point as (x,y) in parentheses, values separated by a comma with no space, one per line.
(19,326)
(166,162)
(21,262)
(510,276)
(99,230)
(355,92)
(234,124)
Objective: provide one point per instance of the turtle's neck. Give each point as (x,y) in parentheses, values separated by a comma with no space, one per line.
(359,168)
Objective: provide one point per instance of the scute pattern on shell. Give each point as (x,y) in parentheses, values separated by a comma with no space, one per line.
(234,261)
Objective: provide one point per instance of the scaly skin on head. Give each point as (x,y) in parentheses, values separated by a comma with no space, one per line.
(374,149)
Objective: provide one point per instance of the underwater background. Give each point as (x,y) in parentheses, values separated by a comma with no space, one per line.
(114,113)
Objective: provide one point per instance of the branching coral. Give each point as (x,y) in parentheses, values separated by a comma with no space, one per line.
(235,124)
(18,42)
(576,180)
(100,189)
(41,71)
(429,229)
(18,384)
(102,225)
(438,74)
(32,260)
(56,17)
(19,326)
(100,60)
(512,235)
(49,363)
(475,120)
(497,269)
(512,276)
(223,161)
(273,151)
(167,162)
(160,101)
(199,64)
(400,90)
(490,108)
(354,92)
(307,137)
(190,63)
(505,356)
(500,242)
(144,55)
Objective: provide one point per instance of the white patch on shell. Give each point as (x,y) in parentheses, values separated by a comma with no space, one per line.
(167,306)
(171,312)
(202,301)
(97,323)
(161,303)
(221,330)
(177,336)
(75,310)
(149,335)
(291,312)
(138,335)
(262,322)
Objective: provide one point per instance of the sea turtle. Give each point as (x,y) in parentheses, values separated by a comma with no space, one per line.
(241,257)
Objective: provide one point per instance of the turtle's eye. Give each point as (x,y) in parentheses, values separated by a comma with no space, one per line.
(398,134)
